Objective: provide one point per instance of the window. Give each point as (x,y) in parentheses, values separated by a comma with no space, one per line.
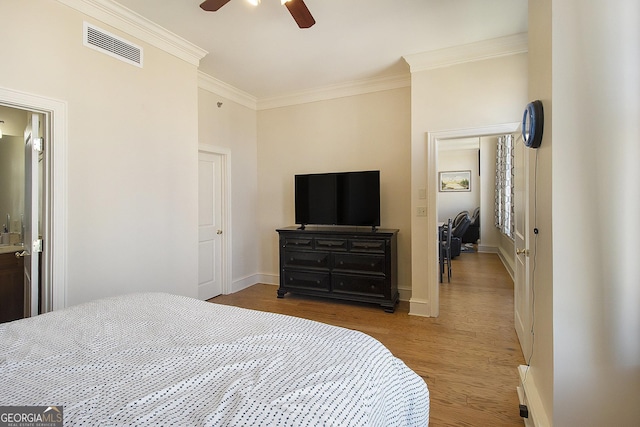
(504,219)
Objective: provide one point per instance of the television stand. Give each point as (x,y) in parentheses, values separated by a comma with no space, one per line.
(346,263)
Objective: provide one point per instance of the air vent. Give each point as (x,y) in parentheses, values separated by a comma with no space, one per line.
(105,42)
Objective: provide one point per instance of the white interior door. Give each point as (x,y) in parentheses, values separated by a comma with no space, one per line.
(522,286)
(32,242)
(209,225)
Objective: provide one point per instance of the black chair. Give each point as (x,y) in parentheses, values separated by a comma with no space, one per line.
(457,233)
(445,250)
(460,217)
(473,232)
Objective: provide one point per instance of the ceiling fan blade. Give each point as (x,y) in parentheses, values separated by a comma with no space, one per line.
(213,5)
(300,13)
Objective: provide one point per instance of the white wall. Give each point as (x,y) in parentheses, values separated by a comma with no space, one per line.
(132,151)
(15,121)
(540,87)
(363,132)
(590,371)
(450,204)
(12,166)
(234,127)
(465,96)
(489,235)
(11,181)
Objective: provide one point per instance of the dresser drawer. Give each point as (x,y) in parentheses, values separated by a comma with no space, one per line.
(296,242)
(367,246)
(331,244)
(305,280)
(358,285)
(306,259)
(361,263)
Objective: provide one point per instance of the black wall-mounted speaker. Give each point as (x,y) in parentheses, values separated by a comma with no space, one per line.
(533,124)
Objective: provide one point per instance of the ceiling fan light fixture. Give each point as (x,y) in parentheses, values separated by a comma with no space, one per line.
(297,9)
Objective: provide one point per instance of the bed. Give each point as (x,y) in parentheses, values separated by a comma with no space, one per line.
(151,359)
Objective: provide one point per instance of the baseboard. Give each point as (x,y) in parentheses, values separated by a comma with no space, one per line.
(418,307)
(507,265)
(528,395)
(487,249)
(245,282)
(405,294)
(268,279)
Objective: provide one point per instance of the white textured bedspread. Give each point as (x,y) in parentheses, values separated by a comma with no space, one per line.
(156,359)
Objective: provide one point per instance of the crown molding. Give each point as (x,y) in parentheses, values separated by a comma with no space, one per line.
(207,82)
(486,49)
(358,87)
(126,20)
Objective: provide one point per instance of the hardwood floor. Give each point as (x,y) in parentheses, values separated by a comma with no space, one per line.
(468,356)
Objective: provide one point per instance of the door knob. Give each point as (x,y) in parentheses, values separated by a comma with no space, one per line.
(21,254)
(219,232)
(522,252)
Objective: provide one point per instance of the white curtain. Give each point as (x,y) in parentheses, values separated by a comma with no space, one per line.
(504,218)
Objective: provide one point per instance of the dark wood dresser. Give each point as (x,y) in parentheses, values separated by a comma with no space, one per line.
(355,264)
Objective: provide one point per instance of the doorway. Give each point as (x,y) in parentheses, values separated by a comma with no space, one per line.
(213,221)
(463,156)
(52,186)
(434,139)
(22,166)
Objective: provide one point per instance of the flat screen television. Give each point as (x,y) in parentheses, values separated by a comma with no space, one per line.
(340,198)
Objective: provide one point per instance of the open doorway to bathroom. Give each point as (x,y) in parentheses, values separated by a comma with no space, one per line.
(21,287)
(51,294)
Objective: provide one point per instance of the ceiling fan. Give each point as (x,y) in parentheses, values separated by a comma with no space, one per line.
(297,8)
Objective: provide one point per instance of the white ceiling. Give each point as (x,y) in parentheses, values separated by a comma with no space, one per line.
(261,51)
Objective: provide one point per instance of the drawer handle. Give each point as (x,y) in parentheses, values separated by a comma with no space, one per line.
(366,245)
(341,262)
(319,261)
(373,264)
(317,282)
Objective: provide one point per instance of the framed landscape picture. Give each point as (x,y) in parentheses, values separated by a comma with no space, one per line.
(453,181)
